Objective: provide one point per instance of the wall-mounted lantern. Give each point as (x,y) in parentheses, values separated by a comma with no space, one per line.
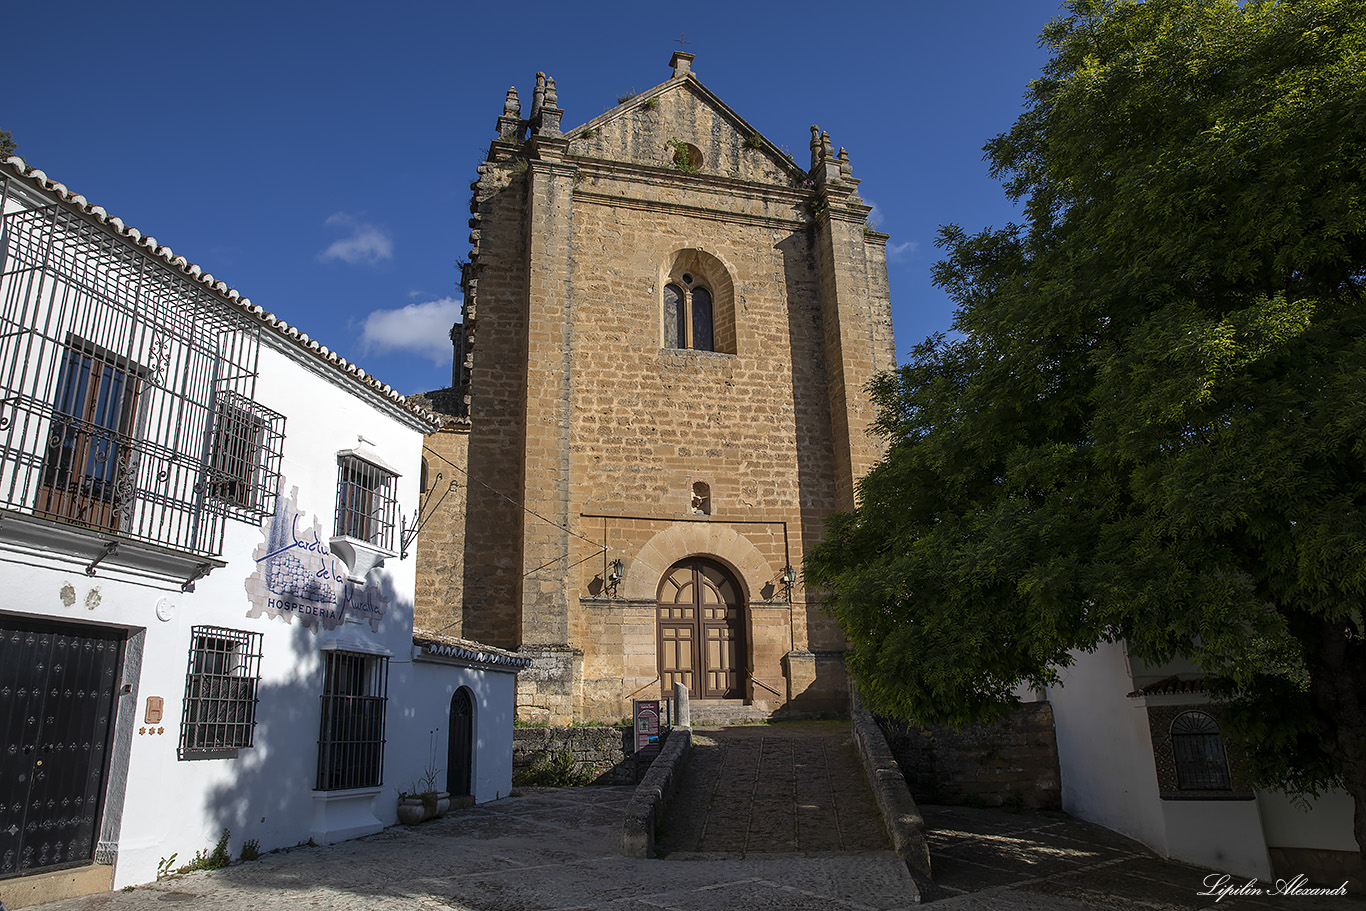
(615,571)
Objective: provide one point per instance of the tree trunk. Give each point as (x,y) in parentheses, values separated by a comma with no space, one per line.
(1337,685)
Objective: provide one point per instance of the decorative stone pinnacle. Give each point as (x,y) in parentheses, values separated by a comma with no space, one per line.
(846,169)
(681,63)
(826,151)
(551,96)
(815,146)
(538,95)
(510,124)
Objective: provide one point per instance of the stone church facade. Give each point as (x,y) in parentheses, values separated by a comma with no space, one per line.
(667,332)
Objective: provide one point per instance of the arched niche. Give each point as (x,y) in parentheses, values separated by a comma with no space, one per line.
(684,272)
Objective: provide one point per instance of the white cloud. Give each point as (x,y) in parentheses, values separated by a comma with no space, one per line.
(898,252)
(895,252)
(368,244)
(421,329)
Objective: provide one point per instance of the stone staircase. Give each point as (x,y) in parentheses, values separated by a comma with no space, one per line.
(712,713)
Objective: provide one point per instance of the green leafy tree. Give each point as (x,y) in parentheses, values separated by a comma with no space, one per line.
(6,144)
(1150,424)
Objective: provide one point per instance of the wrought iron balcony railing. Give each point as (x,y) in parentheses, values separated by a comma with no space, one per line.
(127,390)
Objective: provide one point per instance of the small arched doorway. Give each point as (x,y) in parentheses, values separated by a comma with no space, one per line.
(460,748)
(700,630)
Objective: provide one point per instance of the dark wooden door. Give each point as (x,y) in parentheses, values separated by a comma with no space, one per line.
(57,692)
(86,469)
(460,747)
(700,630)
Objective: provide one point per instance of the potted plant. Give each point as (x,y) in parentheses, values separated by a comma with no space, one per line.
(410,808)
(423,801)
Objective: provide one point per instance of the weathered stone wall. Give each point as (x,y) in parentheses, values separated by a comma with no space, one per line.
(1013,762)
(579,412)
(604,753)
(440,547)
(495,310)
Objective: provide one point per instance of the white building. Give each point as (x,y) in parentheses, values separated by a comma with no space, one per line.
(1140,752)
(208,620)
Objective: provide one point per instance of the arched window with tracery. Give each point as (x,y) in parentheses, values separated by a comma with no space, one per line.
(1199,752)
(688,315)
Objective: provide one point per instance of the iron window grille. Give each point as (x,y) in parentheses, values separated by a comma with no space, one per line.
(111,365)
(244,461)
(351,738)
(1199,752)
(366,501)
(220,690)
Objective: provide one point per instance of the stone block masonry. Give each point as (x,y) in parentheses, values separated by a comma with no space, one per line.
(605,754)
(1013,762)
(598,432)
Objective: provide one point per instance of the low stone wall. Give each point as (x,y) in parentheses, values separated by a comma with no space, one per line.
(648,805)
(905,825)
(603,754)
(1013,762)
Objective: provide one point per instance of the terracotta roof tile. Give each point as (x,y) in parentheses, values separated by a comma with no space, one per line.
(19,167)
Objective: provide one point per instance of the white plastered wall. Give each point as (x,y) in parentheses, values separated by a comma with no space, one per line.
(176,807)
(1324,822)
(1105,754)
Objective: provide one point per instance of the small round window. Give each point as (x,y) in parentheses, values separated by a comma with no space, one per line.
(684,155)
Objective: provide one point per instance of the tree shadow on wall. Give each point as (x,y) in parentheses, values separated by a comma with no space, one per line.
(270,787)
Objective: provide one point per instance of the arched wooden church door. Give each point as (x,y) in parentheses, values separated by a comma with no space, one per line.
(460,747)
(700,630)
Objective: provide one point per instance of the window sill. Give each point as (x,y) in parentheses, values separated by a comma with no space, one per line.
(1206,795)
(198,755)
(101,550)
(347,793)
(695,353)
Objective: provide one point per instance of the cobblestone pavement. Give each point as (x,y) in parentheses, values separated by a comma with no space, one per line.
(1034,861)
(553,848)
(772,789)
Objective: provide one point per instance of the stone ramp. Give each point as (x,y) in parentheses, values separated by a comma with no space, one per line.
(795,787)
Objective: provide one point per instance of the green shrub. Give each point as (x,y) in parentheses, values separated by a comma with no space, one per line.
(554,773)
(210,860)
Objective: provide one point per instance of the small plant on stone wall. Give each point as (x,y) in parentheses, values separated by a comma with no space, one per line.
(681,156)
(519,167)
(651,104)
(166,866)
(754,141)
(251,850)
(589,133)
(626,96)
(870,227)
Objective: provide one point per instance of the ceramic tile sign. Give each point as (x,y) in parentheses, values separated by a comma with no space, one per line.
(296,575)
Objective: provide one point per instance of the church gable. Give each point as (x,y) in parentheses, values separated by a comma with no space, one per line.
(680,124)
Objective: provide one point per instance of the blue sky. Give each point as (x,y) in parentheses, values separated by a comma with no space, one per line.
(318,157)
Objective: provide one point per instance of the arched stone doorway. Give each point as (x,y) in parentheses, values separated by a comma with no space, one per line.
(460,748)
(700,630)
